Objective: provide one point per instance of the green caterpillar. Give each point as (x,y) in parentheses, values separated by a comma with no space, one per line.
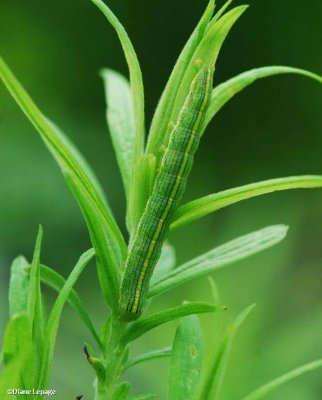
(166,195)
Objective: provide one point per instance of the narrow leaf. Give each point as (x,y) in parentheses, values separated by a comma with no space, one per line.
(221,11)
(162,116)
(144,325)
(35,306)
(227,90)
(79,158)
(135,75)
(106,248)
(205,54)
(221,256)
(71,167)
(34,285)
(214,290)
(197,209)
(276,383)
(166,263)
(142,184)
(186,360)
(18,287)
(54,317)
(107,265)
(217,365)
(152,355)
(54,280)
(120,118)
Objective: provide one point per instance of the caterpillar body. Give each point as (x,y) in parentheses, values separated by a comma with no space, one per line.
(167,192)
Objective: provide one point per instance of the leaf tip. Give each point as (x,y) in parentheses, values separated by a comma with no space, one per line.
(283,229)
(104,72)
(86,352)
(40,231)
(244,314)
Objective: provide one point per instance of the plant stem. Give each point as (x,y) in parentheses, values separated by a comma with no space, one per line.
(114,359)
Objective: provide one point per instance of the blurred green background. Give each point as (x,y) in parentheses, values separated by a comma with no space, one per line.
(272,129)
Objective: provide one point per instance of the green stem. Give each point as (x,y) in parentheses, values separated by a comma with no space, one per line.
(114,358)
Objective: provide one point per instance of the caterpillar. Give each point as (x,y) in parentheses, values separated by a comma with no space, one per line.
(166,195)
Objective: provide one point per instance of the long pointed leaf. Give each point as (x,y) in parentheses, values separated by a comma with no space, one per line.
(163,112)
(71,167)
(135,74)
(152,355)
(142,184)
(107,266)
(58,147)
(216,369)
(34,293)
(85,167)
(106,249)
(221,256)
(205,205)
(226,90)
(54,317)
(144,325)
(186,360)
(35,309)
(54,280)
(206,54)
(221,11)
(263,391)
(120,118)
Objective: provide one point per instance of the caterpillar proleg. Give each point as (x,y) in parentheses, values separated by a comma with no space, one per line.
(166,195)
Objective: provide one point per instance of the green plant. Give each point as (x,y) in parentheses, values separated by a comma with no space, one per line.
(30,336)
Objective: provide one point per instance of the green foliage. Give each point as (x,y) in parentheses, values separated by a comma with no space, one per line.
(144,325)
(143,179)
(30,336)
(18,288)
(152,355)
(162,116)
(120,119)
(219,257)
(54,280)
(186,360)
(276,383)
(199,208)
(147,396)
(227,90)
(17,354)
(54,317)
(166,263)
(106,237)
(135,75)
(35,309)
(217,364)
(122,391)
